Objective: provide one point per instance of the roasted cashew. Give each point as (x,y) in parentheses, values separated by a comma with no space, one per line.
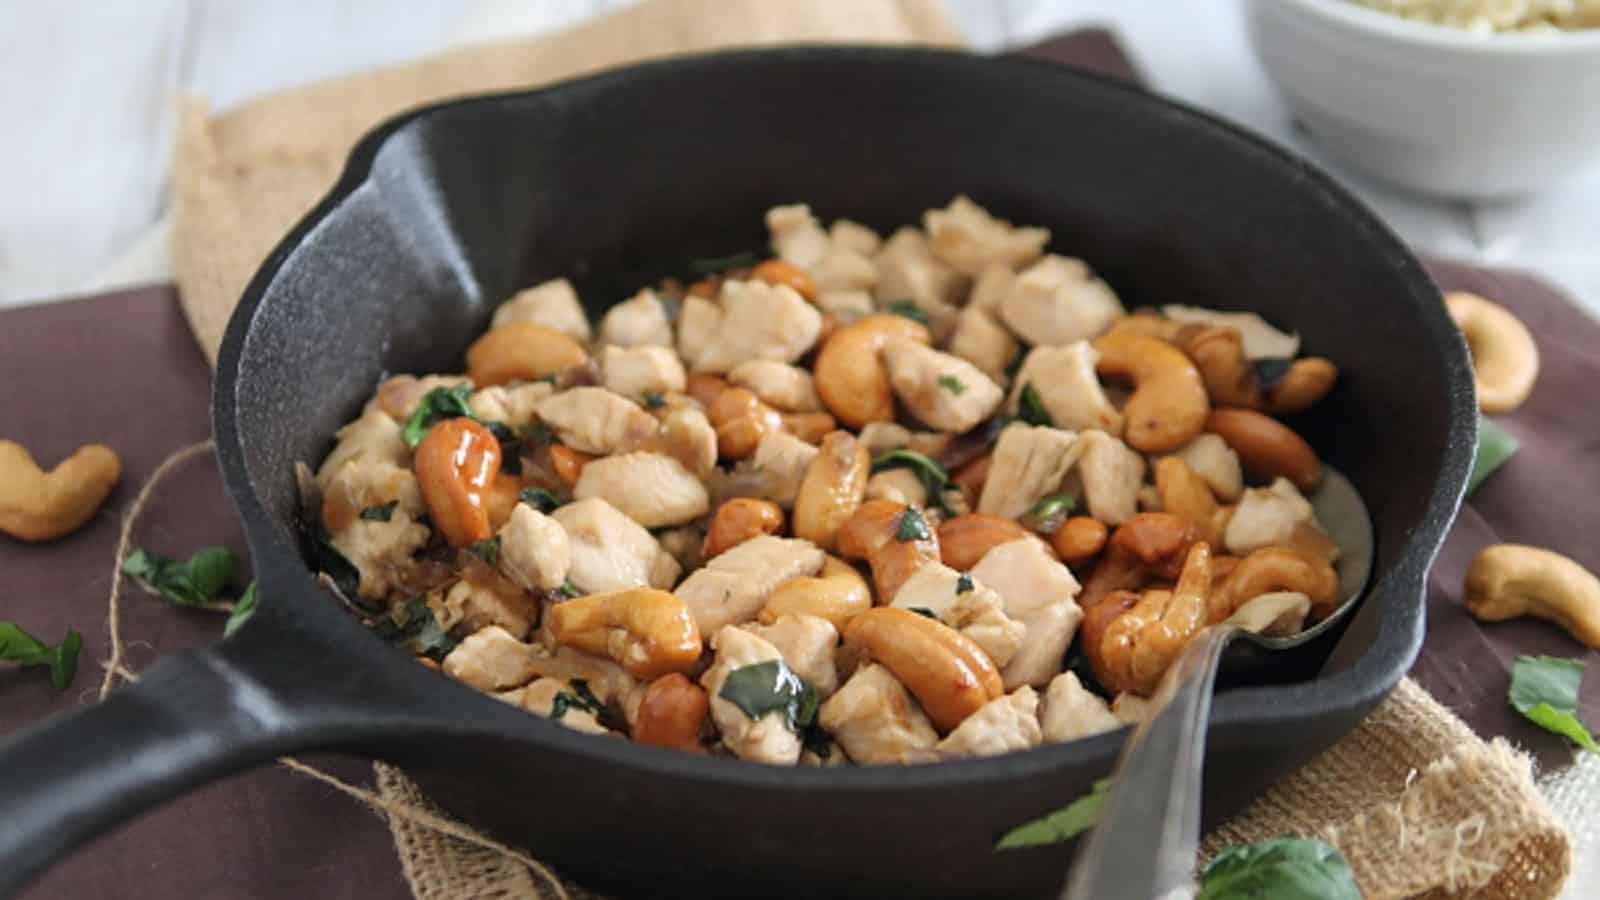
(1505,359)
(1147,545)
(521,351)
(948,674)
(832,489)
(740,519)
(1273,569)
(776,271)
(1308,380)
(1186,495)
(456,465)
(850,376)
(1168,406)
(41,506)
(1218,352)
(704,387)
(1510,580)
(963,540)
(741,421)
(1149,324)
(648,632)
(1267,447)
(838,593)
(568,463)
(810,427)
(1079,539)
(870,534)
(971,477)
(672,714)
(1139,645)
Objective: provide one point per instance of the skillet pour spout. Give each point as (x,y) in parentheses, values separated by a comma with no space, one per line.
(621,177)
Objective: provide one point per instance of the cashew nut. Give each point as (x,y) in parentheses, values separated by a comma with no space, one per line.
(741,421)
(963,540)
(672,714)
(1510,580)
(838,593)
(568,463)
(871,534)
(1139,645)
(1148,544)
(1273,569)
(41,506)
(1505,360)
(521,351)
(1187,496)
(947,673)
(648,632)
(1079,539)
(740,519)
(1168,406)
(1308,380)
(810,427)
(1267,447)
(456,465)
(1218,352)
(776,271)
(851,379)
(832,489)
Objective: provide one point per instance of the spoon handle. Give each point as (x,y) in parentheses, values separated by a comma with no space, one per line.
(1149,831)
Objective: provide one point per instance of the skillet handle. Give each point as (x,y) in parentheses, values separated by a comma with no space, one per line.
(190,719)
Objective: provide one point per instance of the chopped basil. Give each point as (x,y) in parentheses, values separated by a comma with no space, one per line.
(923,611)
(380,513)
(1015,366)
(963,584)
(1545,690)
(539,499)
(714,265)
(1271,369)
(487,549)
(568,589)
(61,659)
(439,403)
(1030,408)
(580,697)
(769,687)
(412,625)
(1288,868)
(196,582)
(1495,446)
(654,400)
(1047,515)
(537,434)
(952,384)
(329,561)
(912,526)
(1062,825)
(243,609)
(817,741)
(907,309)
(928,470)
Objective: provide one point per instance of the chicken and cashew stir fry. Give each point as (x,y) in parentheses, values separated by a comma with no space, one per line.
(858,500)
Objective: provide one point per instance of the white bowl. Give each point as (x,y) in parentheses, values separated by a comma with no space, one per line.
(1440,110)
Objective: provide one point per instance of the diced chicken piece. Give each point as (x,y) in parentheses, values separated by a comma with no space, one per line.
(854,236)
(981,340)
(512,406)
(608,681)
(769,739)
(900,485)
(1068,387)
(1266,517)
(635,371)
(687,436)
(785,387)
(594,420)
(846,306)
(553,304)
(1277,614)
(807,644)
(686,544)
(908,270)
(1217,464)
(380,550)
(1038,592)
(991,287)
(399,396)
(977,612)
(698,320)
(1112,473)
(1058,300)
(374,437)
(759,321)
(478,604)
(611,552)
(1005,724)
(1071,711)
(652,489)
(967,237)
(843,269)
(782,459)
(876,721)
(1130,709)
(880,437)
(364,482)
(539,698)
(1027,465)
(638,321)
(734,585)
(1261,340)
(945,392)
(491,659)
(796,236)
(534,550)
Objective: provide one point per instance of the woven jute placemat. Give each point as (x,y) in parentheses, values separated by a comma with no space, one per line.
(1418,803)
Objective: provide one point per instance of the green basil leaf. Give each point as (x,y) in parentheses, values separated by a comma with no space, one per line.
(1030,407)
(933,476)
(1545,690)
(580,687)
(963,583)
(912,526)
(714,265)
(769,687)
(195,582)
(1062,825)
(243,609)
(1495,447)
(1015,366)
(1280,868)
(487,549)
(537,434)
(18,646)
(539,499)
(908,310)
(1047,515)
(381,513)
(412,625)
(568,589)
(327,559)
(439,403)
(654,400)
(952,384)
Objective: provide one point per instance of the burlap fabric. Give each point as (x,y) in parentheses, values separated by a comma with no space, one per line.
(1417,802)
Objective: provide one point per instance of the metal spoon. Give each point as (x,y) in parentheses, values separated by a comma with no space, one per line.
(1149,830)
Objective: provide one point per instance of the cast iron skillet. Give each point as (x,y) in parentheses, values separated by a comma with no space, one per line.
(618,178)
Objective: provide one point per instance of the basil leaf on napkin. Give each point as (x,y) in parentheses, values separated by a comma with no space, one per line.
(1495,446)
(18,646)
(196,582)
(1062,825)
(1280,868)
(1545,690)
